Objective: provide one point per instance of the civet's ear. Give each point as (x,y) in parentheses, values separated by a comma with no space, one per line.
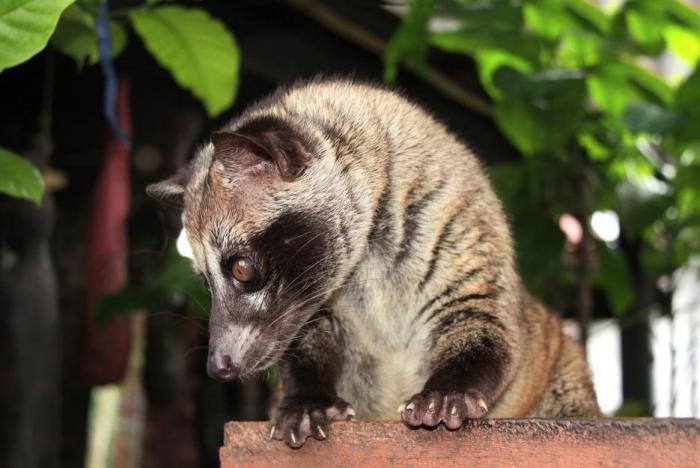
(171,191)
(263,140)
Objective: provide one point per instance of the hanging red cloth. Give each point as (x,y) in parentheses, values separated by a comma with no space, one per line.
(107,345)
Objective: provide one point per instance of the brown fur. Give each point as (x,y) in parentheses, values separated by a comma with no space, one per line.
(378,224)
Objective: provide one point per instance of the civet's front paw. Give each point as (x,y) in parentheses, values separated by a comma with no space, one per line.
(429,408)
(298,420)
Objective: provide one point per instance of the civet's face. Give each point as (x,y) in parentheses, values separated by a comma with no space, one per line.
(260,238)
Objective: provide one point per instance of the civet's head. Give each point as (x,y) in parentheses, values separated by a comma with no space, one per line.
(266,232)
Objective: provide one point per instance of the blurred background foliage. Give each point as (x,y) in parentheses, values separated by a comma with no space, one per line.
(575,90)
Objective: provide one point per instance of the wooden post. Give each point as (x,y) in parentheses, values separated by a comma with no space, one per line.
(512,443)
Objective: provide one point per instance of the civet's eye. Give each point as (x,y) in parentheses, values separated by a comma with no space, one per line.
(243,270)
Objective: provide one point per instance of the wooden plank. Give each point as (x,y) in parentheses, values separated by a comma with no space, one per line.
(523,443)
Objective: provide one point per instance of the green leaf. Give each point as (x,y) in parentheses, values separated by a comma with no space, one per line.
(75,36)
(519,123)
(550,18)
(589,16)
(638,207)
(687,99)
(614,85)
(175,284)
(409,41)
(684,43)
(19,178)
(25,28)
(688,93)
(498,14)
(197,49)
(683,15)
(490,61)
(596,150)
(640,117)
(538,240)
(543,111)
(538,85)
(647,31)
(547,18)
(613,277)
(508,180)
(472,39)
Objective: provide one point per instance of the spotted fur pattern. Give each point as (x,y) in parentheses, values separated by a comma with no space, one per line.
(390,270)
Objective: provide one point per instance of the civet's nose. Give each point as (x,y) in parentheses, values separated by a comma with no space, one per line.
(221,367)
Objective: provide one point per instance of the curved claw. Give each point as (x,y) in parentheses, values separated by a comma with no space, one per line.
(297,422)
(430,408)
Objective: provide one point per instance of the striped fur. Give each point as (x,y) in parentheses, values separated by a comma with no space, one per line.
(391,225)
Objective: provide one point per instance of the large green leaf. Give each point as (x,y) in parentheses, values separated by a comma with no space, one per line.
(197,49)
(19,178)
(25,28)
(75,36)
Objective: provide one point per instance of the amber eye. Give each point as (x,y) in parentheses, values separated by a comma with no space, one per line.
(243,270)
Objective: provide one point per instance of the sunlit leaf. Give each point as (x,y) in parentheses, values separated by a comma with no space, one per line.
(489,61)
(596,150)
(684,43)
(551,18)
(19,178)
(198,50)
(548,18)
(683,15)
(409,41)
(647,31)
(589,16)
(25,28)
(614,85)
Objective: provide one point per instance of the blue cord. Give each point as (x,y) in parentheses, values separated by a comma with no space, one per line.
(104,47)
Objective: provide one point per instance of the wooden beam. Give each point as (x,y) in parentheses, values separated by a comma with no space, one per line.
(523,443)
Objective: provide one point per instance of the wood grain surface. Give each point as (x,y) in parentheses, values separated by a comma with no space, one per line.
(503,443)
